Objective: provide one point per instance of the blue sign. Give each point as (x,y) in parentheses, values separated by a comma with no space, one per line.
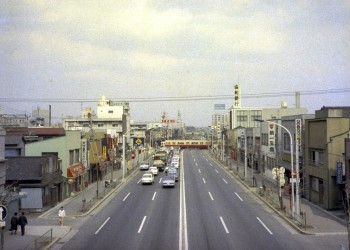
(339,173)
(3,213)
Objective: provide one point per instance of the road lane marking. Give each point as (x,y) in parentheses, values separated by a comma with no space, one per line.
(262,223)
(204,180)
(126,196)
(210,164)
(139,181)
(160,180)
(199,171)
(143,221)
(223,223)
(238,196)
(154,195)
(196,164)
(225,180)
(216,171)
(104,223)
(183,238)
(211,197)
(194,159)
(206,159)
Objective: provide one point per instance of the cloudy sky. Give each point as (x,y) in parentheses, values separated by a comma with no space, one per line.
(68,54)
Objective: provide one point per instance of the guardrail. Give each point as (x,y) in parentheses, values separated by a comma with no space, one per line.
(42,241)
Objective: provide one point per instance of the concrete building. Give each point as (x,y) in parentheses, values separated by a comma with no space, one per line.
(7,121)
(2,160)
(111,116)
(325,156)
(68,149)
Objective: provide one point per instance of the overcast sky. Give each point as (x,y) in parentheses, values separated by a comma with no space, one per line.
(71,53)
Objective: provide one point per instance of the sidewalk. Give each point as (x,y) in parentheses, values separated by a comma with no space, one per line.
(314,219)
(43,230)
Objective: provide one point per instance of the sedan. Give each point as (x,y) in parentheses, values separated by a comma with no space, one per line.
(145,166)
(147,178)
(174,174)
(154,170)
(168,181)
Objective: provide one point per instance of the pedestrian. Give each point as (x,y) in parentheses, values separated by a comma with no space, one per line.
(14,223)
(61,215)
(22,221)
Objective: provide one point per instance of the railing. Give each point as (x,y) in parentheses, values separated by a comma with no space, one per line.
(41,241)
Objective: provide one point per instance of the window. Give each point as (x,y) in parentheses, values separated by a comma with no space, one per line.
(316,157)
(86,125)
(264,139)
(114,125)
(100,125)
(71,157)
(77,155)
(110,111)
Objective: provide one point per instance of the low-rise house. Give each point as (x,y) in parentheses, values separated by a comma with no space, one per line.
(40,177)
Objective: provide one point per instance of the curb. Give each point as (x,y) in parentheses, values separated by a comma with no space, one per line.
(290,222)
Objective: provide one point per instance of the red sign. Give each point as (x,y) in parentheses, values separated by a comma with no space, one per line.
(168,121)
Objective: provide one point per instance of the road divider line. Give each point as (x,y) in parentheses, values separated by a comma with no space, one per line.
(196,164)
(139,181)
(211,197)
(154,195)
(225,181)
(262,223)
(126,196)
(216,171)
(204,180)
(206,159)
(160,180)
(199,170)
(223,223)
(143,221)
(239,197)
(104,223)
(194,159)
(210,164)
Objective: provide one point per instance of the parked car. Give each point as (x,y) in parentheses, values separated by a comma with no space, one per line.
(168,181)
(145,166)
(147,178)
(153,170)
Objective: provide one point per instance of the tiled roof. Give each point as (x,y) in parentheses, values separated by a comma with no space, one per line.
(25,168)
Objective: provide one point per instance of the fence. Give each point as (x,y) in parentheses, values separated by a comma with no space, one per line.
(41,241)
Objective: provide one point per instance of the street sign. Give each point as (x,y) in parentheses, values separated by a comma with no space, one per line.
(139,141)
(3,212)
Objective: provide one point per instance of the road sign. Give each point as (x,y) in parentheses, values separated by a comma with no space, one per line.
(3,212)
(139,141)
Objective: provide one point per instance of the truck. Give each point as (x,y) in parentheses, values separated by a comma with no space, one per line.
(160,155)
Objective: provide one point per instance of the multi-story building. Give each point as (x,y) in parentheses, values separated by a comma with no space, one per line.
(112,117)
(14,121)
(324,156)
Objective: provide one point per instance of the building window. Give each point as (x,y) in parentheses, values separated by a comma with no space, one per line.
(86,125)
(110,111)
(114,125)
(77,155)
(71,157)
(100,125)
(316,157)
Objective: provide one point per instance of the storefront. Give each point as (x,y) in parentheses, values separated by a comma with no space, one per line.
(75,175)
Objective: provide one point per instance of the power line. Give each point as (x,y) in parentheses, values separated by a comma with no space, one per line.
(173,98)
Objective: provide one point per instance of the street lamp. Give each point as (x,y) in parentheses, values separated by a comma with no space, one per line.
(291,160)
(123,162)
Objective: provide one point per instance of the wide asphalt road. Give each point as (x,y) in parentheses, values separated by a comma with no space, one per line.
(208,209)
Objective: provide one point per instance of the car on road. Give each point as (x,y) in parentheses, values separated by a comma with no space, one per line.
(147,178)
(168,181)
(174,174)
(175,164)
(145,166)
(153,170)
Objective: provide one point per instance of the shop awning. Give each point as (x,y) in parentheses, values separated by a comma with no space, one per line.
(75,170)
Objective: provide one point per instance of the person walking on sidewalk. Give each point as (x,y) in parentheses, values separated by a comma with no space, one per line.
(14,223)
(22,221)
(61,215)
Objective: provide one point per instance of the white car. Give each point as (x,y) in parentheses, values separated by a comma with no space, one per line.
(147,178)
(175,164)
(145,166)
(153,170)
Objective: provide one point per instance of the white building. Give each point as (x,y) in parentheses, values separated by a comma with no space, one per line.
(111,117)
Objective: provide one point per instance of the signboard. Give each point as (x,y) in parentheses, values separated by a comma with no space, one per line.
(84,152)
(298,134)
(237,96)
(168,120)
(139,141)
(3,212)
(339,176)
